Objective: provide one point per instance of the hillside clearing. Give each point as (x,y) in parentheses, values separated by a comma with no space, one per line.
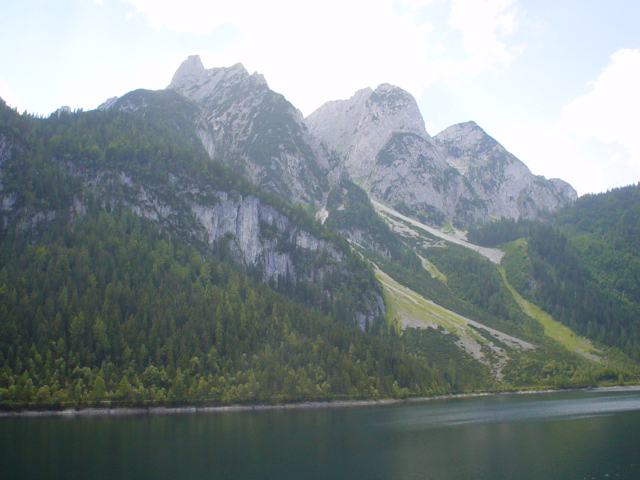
(411,310)
(553,329)
(492,254)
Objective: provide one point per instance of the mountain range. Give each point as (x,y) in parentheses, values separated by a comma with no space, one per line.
(207,244)
(376,138)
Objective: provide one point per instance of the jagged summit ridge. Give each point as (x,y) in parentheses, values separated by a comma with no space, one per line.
(197,83)
(359,127)
(464,136)
(377,138)
(501,180)
(461,174)
(191,72)
(253,129)
(381,137)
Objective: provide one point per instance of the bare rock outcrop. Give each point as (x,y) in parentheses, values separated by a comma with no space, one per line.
(359,127)
(381,137)
(254,130)
(462,174)
(504,183)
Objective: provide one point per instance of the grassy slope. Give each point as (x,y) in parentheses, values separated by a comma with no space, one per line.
(411,310)
(553,329)
(433,270)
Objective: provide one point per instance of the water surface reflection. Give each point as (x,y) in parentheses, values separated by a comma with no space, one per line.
(572,435)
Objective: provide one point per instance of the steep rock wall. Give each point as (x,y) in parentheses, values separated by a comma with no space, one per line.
(255,130)
(381,137)
(503,182)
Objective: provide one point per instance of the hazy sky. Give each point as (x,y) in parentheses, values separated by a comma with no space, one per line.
(557,82)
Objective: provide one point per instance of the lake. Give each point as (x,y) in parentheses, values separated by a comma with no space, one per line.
(568,435)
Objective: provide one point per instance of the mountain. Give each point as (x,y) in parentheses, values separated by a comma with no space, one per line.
(376,138)
(205,244)
(359,127)
(254,130)
(136,270)
(160,171)
(381,138)
(505,184)
(583,268)
(461,174)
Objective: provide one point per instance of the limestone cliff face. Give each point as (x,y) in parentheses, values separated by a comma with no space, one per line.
(5,148)
(504,183)
(410,170)
(256,234)
(359,127)
(6,200)
(254,130)
(386,149)
(261,237)
(375,138)
(462,174)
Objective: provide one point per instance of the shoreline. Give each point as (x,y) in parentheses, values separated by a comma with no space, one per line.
(159,410)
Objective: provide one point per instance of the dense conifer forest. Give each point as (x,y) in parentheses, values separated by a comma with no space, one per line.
(105,306)
(102,306)
(583,266)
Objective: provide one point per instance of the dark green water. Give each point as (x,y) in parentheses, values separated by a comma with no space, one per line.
(577,435)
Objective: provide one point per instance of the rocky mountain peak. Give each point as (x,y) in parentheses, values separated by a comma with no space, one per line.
(398,109)
(197,83)
(108,103)
(253,129)
(359,127)
(501,180)
(385,147)
(377,137)
(394,99)
(467,146)
(190,72)
(465,133)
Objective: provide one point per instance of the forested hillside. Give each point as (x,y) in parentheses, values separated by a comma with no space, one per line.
(584,268)
(467,284)
(100,304)
(114,310)
(158,167)
(136,270)
(605,229)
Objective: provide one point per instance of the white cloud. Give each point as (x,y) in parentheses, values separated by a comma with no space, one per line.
(483,26)
(596,144)
(610,112)
(417,3)
(314,52)
(193,16)
(574,159)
